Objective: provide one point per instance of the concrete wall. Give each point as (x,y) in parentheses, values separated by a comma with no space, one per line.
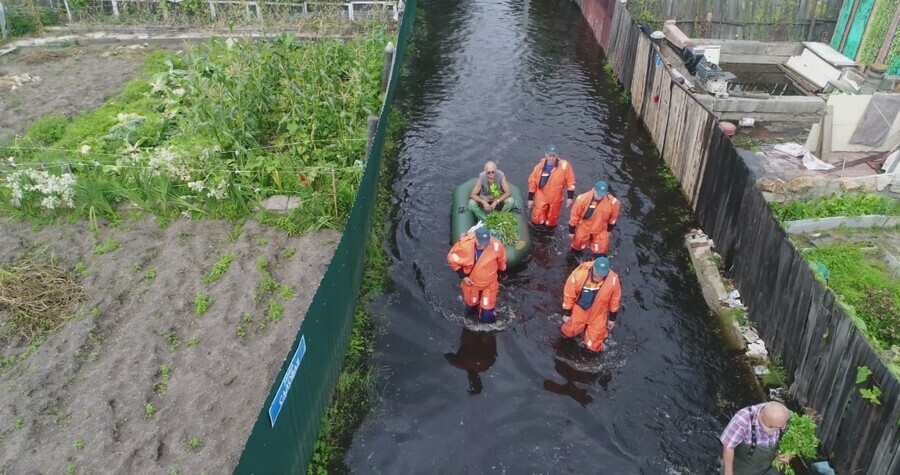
(803,109)
(754,52)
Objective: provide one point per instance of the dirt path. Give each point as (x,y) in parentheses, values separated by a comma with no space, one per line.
(92,380)
(65,80)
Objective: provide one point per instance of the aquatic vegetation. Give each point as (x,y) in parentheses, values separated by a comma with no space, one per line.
(503,226)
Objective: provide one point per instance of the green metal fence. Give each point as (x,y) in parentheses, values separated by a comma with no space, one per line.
(285,445)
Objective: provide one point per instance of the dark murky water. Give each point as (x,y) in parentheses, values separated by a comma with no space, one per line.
(499,80)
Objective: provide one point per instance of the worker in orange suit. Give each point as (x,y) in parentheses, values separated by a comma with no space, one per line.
(477,258)
(594,215)
(591,302)
(550,179)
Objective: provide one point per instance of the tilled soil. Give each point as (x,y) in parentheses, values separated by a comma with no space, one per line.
(82,400)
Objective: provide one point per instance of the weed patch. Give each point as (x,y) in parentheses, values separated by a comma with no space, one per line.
(870,295)
(219,269)
(837,205)
(210,133)
(202,304)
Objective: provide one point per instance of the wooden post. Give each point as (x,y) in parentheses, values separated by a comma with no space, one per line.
(212,9)
(814,7)
(334,192)
(68,10)
(350,11)
(115,6)
(852,17)
(371,129)
(2,20)
(388,66)
(886,46)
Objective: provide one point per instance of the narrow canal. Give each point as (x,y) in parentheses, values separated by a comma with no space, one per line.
(500,80)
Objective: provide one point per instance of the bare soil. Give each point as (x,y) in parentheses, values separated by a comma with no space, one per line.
(92,380)
(80,402)
(65,80)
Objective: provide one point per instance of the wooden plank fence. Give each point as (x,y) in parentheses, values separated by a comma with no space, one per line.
(797,316)
(764,20)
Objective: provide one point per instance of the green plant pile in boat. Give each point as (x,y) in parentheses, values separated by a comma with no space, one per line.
(212,132)
(503,226)
(799,440)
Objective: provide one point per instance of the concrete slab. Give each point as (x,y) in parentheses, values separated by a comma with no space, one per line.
(813,68)
(712,286)
(814,141)
(281,203)
(822,224)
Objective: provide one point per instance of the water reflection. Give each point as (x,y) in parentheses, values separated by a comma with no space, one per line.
(476,354)
(568,350)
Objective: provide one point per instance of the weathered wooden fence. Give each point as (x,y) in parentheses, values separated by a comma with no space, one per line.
(797,315)
(768,20)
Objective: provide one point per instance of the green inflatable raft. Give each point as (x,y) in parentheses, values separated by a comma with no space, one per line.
(461,219)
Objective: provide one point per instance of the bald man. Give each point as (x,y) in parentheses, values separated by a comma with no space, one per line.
(750,441)
(490,193)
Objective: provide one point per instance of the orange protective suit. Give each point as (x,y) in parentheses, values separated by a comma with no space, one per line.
(591,321)
(593,230)
(548,199)
(483,272)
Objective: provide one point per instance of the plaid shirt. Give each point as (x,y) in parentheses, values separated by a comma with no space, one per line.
(738,430)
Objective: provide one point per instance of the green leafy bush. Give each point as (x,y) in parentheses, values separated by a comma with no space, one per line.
(799,439)
(214,131)
(48,130)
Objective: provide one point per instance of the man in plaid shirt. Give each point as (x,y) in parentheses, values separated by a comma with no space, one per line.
(750,441)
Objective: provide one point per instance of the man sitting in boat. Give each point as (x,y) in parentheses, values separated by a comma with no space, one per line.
(551,177)
(491,192)
(593,217)
(477,258)
(591,302)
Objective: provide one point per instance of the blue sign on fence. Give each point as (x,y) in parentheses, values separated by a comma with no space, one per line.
(281,394)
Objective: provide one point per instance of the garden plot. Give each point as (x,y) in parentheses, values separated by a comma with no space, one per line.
(168,356)
(861,266)
(64,80)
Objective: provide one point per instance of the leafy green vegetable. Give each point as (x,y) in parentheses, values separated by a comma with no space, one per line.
(503,226)
(799,439)
(862,373)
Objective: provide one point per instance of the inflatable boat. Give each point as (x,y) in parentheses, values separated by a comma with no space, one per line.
(461,220)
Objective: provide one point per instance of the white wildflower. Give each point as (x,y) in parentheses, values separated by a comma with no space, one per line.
(218,192)
(11,161)
(85,149)
(197,186)
(51,190)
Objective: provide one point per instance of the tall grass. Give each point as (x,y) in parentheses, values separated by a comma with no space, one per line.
(214,131)
(837,205)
